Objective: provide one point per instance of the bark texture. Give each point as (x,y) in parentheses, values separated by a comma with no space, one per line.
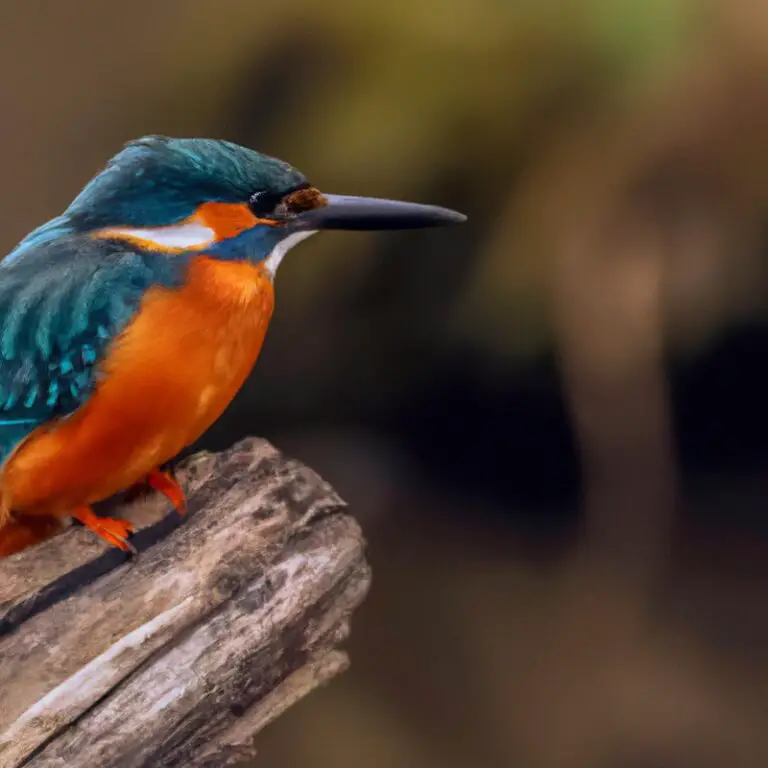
(178,657)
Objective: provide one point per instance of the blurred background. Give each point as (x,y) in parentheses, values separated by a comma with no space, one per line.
(551,421)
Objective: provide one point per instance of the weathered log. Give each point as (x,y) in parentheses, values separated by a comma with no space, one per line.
(180,655)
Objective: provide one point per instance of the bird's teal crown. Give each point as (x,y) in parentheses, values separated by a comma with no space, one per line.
(157,181)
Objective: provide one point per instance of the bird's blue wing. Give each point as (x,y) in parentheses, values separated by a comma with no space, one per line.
(61,305)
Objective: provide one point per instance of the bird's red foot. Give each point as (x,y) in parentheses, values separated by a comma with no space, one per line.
(163,483)
(114,532)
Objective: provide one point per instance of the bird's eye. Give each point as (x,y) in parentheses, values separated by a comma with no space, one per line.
(266,205)
(263,203)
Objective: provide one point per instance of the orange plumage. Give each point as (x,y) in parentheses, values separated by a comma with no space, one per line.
(166,380)
(129,322)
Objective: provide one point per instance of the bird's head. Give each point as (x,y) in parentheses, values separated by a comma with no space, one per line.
(186,195)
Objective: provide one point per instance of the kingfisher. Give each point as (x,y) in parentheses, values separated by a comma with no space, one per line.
(129,322)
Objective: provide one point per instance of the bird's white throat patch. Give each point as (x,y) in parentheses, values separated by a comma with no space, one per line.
(272,262)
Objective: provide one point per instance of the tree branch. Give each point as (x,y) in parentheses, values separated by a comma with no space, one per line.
(180,656)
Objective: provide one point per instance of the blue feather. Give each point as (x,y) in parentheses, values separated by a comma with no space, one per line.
(53,393)
(32,392)
(65,366)
(60,308)
(47,233)
(156,181)
(88,354)
(65,294)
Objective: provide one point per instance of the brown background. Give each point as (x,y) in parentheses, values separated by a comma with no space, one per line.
(551,421)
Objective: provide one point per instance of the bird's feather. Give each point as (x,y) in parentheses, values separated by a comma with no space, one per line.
(156,181)
(61,305)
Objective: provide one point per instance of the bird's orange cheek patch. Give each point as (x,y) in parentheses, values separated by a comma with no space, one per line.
(228,219)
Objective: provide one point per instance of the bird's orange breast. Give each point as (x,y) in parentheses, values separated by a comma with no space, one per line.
(166,379)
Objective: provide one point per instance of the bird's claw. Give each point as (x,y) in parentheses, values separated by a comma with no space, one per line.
(163,482)
(115,532)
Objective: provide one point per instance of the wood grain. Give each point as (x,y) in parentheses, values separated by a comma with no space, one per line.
(179,656)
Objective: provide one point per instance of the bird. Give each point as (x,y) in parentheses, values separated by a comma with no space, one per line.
(129,322)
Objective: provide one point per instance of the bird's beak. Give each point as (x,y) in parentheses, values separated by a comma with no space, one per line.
(366,213)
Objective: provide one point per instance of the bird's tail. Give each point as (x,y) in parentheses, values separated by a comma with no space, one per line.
(20,532)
